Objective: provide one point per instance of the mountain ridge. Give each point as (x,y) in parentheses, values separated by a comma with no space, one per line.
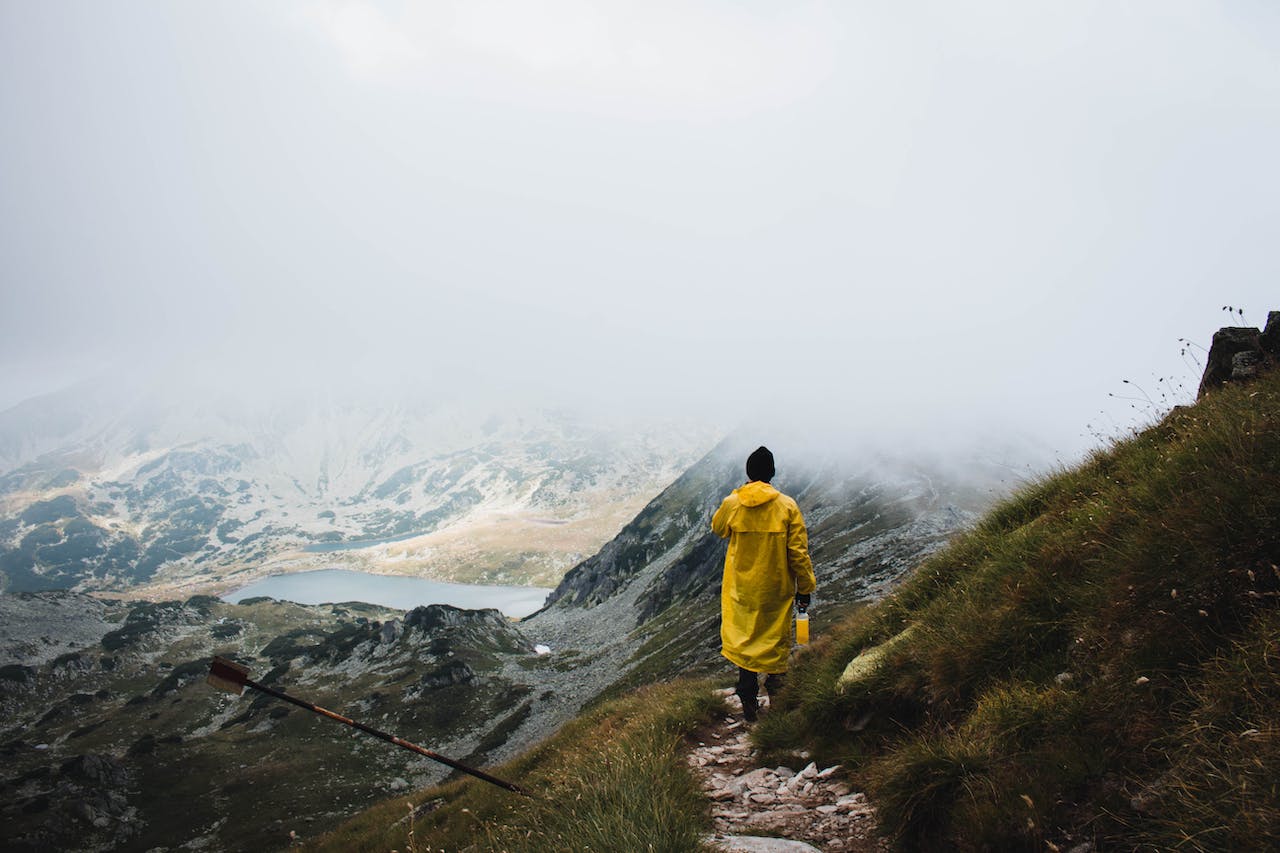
(144,502)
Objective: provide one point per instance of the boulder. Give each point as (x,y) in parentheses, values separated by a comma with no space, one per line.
(1245,365)
(448,674)
(95,769)
(1227,343)
(433,618)
(15,676)
(758,844)
(868,660)
(1269,340)
(757,778)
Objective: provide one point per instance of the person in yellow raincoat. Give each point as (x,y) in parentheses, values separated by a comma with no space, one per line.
(766,567)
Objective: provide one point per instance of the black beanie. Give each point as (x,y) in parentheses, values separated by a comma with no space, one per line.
(760,465)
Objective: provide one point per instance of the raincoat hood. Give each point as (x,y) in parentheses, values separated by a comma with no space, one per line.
(756,493)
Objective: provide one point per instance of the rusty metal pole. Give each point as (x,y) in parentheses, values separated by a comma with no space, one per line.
(232,677)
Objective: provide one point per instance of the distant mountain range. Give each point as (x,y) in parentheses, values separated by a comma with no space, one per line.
(107,491)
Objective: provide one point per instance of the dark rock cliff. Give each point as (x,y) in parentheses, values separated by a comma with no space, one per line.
(1239,353)
(682,512)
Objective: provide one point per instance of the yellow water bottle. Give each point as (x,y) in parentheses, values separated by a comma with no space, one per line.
(802,628)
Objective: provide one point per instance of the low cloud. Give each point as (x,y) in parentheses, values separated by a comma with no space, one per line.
(855,221)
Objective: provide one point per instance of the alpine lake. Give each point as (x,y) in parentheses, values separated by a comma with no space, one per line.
(403,593)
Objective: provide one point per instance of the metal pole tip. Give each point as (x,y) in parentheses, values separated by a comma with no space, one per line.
(227,675)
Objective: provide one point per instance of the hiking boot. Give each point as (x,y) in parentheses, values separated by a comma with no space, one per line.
(749,712)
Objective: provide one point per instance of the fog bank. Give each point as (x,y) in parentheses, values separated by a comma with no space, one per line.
(918,222)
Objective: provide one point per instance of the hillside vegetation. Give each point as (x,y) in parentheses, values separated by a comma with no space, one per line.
(612,779)
(1098,660)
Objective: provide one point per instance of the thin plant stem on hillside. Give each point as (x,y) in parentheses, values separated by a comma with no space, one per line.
(1234,313)
(1188,356)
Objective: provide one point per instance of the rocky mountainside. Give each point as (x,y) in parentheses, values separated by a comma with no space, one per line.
(111,494)
(1241,354)
(101,741)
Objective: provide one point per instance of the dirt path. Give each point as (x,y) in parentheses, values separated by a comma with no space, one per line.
(764,809)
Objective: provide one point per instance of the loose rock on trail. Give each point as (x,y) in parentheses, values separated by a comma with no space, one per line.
(759,809)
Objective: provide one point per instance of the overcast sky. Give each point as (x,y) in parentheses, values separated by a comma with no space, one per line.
(905,213)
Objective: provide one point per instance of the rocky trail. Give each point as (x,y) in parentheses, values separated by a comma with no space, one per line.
(760,809)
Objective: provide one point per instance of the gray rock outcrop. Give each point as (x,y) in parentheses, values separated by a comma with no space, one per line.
(1240,353)
(1270,337)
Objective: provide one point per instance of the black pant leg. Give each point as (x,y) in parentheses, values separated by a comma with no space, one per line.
(748,686)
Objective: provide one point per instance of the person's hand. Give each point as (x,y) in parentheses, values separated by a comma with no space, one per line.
(802,601)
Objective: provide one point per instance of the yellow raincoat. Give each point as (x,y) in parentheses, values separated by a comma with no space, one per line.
(766,566)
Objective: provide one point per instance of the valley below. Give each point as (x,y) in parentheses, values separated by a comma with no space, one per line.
(119,742)
(108,721)
(118,544)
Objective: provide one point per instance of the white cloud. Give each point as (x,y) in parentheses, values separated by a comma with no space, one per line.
(930,212)
(371,44)
(640,59)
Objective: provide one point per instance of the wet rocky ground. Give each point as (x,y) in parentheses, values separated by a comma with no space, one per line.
(777,809)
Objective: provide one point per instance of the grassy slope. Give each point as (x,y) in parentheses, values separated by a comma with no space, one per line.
(1098,659)
(611,780)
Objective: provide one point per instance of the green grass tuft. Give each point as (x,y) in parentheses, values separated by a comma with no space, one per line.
(1221,790)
